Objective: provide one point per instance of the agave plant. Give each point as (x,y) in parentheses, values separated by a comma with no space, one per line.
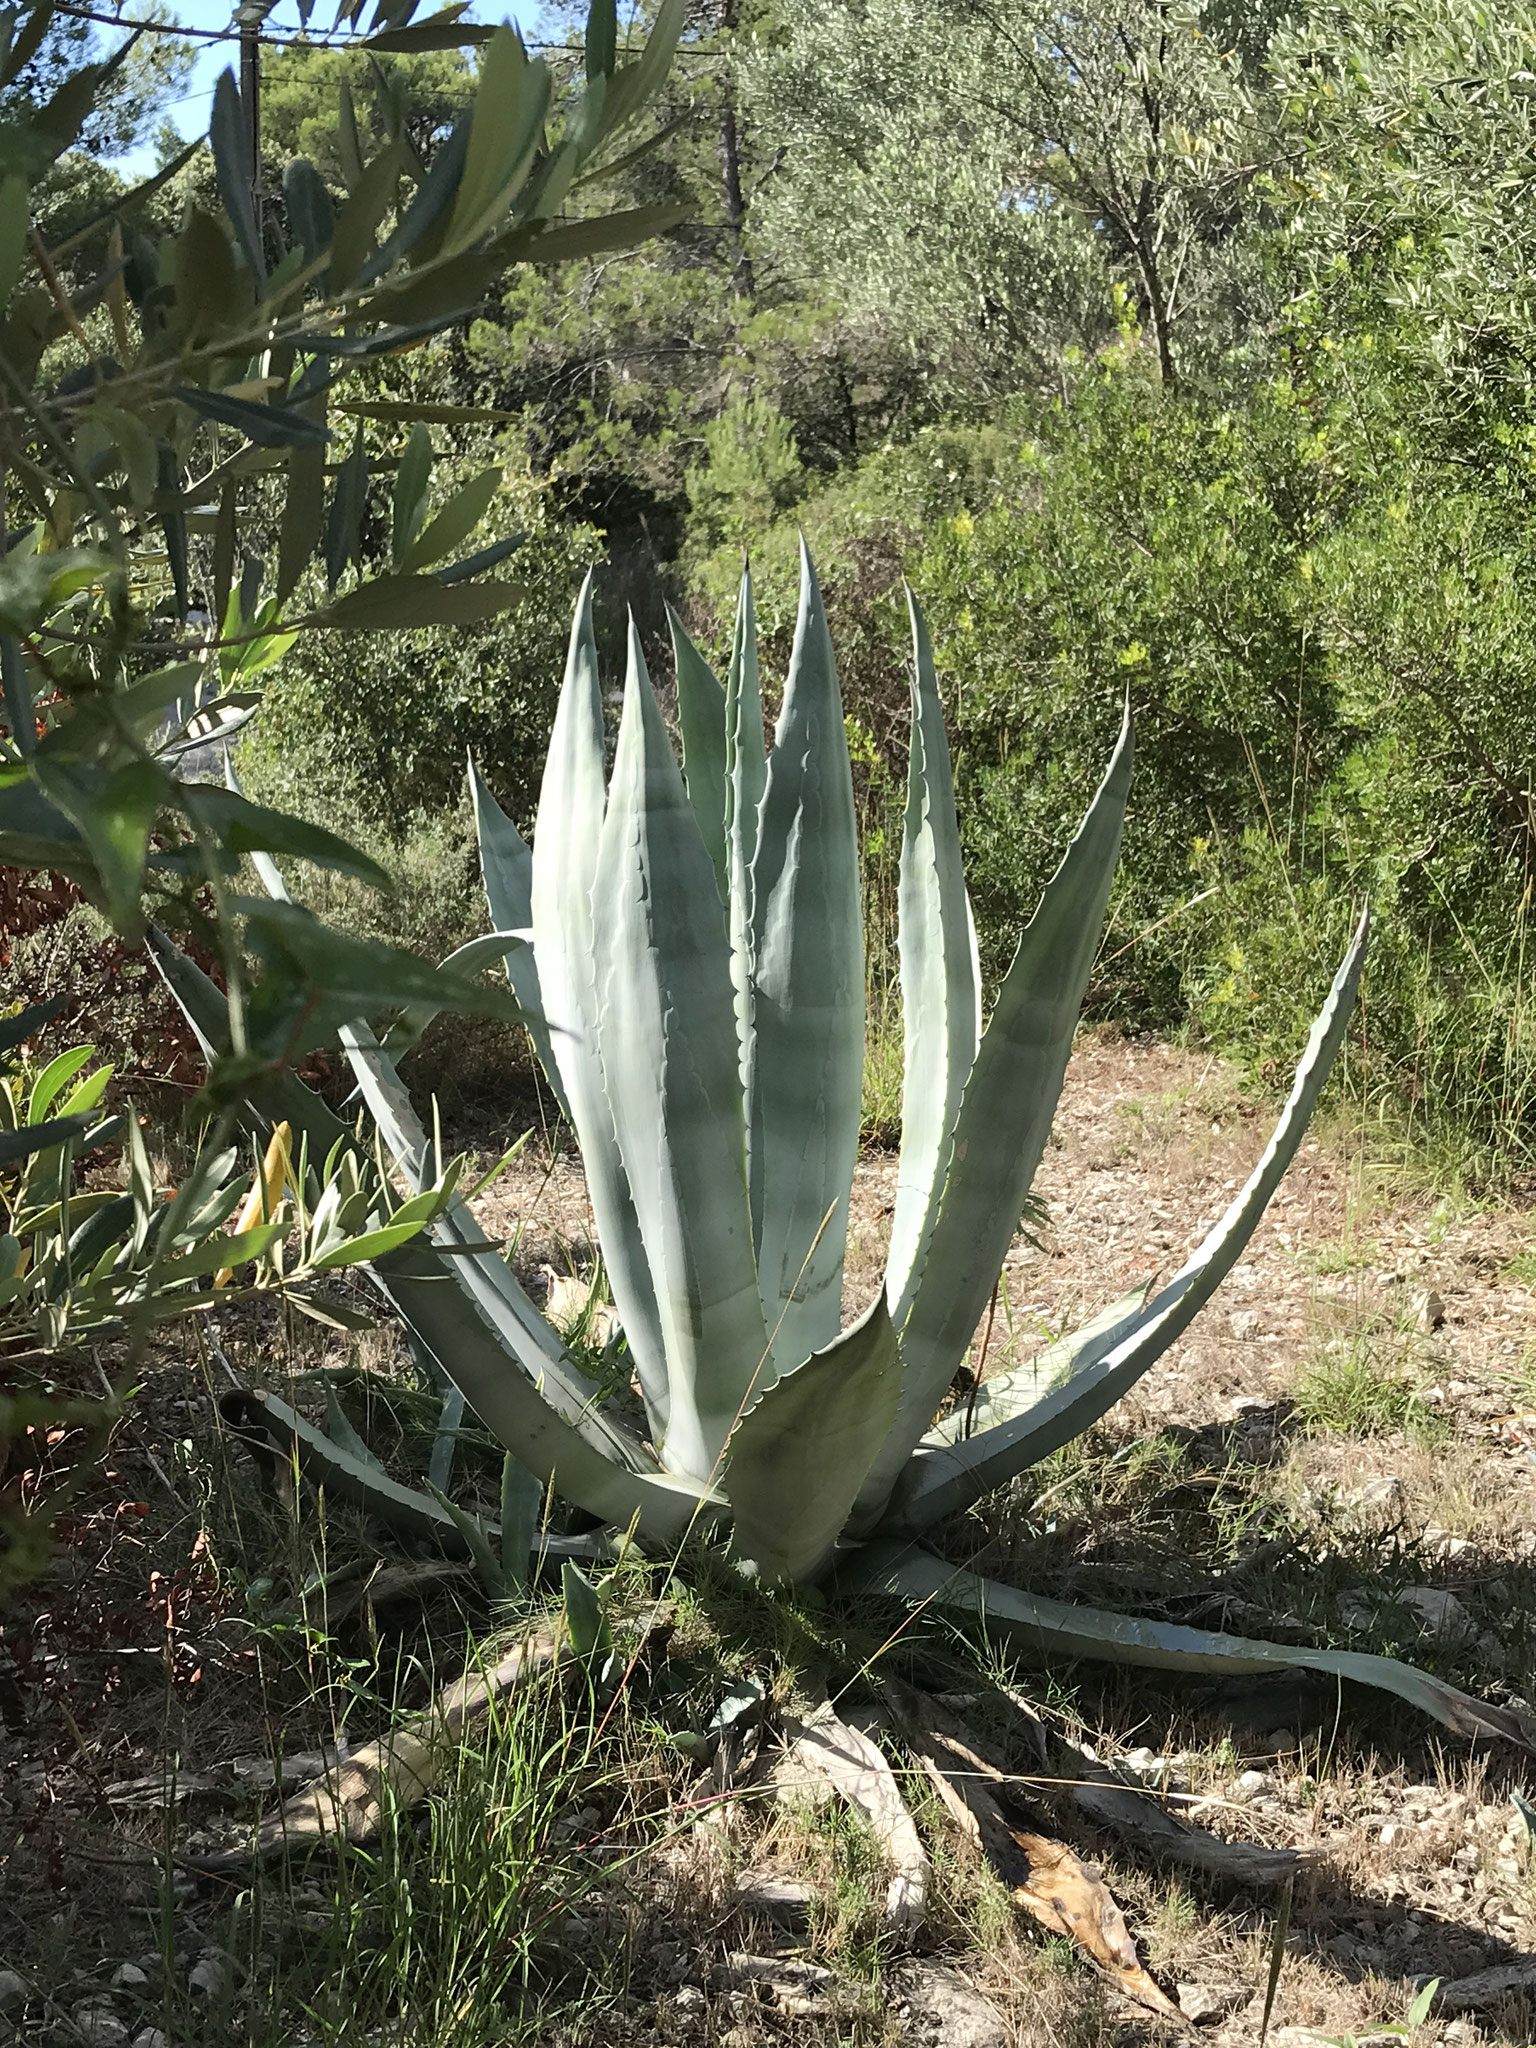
(687,938)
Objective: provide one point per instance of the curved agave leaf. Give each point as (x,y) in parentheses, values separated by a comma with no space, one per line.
(1011,1393)
(509,1384)
(805,1074)
(1056,1629)
(799,1454)
(943,1480)
(940,1001)
(484,1331)
(506,868)
(669,1064)
(746,776)
(572,801)
(1005,1118)
(701,717)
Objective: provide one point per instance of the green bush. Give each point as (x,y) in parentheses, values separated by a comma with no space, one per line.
(1326,634)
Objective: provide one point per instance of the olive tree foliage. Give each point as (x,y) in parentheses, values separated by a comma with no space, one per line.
(160,389)
(1019,177)
(1407,133)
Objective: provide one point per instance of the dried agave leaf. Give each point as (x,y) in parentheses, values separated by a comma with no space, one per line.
(858,1771)
(347,1804)
(1047,1879)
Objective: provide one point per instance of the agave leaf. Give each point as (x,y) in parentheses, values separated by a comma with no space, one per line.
(482,1328)
(1011,1393)
(446,1442)
(668,1052)
(799,1454)
(805,1075)
(329,1462)
(506,865)
(522,1498)
(942,1480)
(1056,1629)
(1005,1118)
(341,1432)
(746,776)
(572,802)
(941,1016)
(701,716)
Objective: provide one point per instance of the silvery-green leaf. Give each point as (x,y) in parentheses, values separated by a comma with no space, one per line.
(572,803)
(1005,1118)
(1055,1629)
(669,1064)
(805,1071)
(506,866)
(522,1499)
(1007,1394)
(481,1327)
(341,1432)
(327,1462)
(941,1018)
(941,1480)
(701,720)
(746,775)
(446,1442)
(799,1455)
(514,1390)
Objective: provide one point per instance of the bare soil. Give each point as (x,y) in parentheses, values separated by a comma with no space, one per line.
(1340,1451)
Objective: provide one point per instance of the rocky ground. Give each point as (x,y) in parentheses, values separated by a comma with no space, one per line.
(1340,1451)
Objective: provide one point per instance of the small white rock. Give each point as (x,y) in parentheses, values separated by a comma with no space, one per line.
(152,2037)
(98,2028)
(1441,1613)
(1204,2004)
(1251,1784)
(128,1977)
(209,1975)
(1389,1834)
(1244,1323)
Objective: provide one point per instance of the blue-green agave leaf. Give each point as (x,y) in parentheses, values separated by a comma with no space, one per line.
(506,867)
(1055,1629)
(701,719)
(940,1001)
(669,1062)
(939,1481)
(1010,1393)
(805,1076)
(800,1453)
(1005,1118)
(746,776)
(572,803)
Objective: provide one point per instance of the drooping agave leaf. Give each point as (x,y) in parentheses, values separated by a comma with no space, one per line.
(799,1454)
(1011,1393)
(479,1324)
(572,802)
(506,866)
(940,1006)
(701,717)
(327,1461)
(1005,1118)
(805,1073)
(1056,1629)
(746,775)
(669,1066)
(944,1479)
